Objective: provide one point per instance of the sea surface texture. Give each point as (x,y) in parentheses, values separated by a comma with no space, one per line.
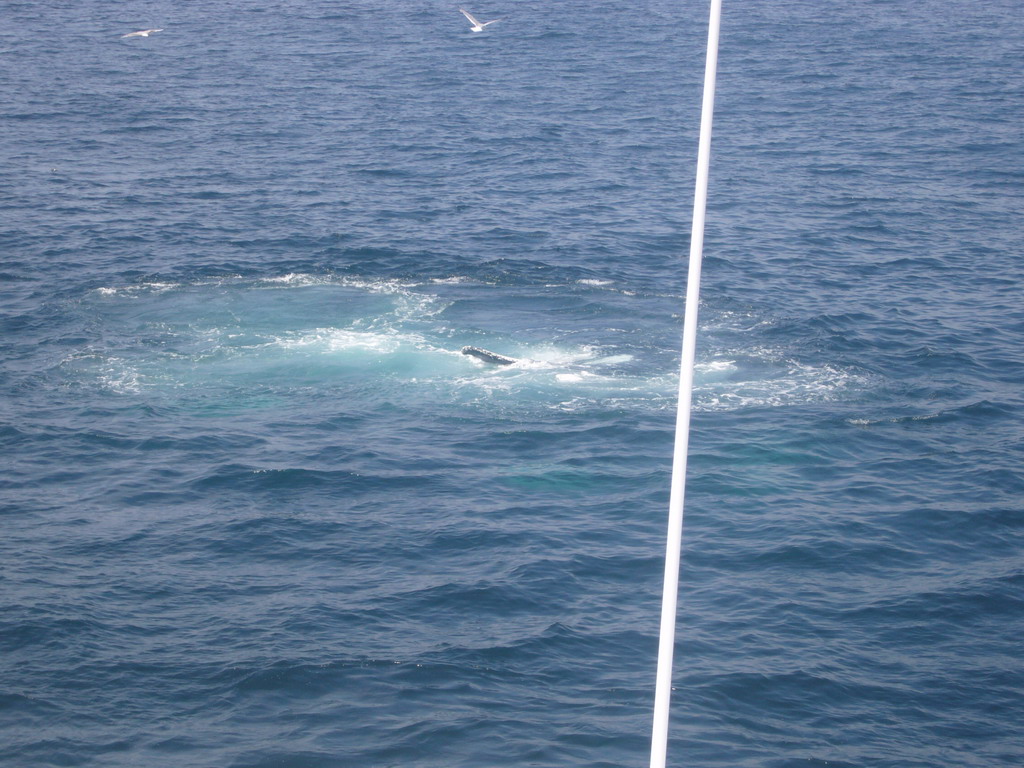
(257,509)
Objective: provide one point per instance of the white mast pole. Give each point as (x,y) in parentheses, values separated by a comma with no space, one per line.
(663,687)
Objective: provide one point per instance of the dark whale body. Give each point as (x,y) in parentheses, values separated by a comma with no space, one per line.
(487,357)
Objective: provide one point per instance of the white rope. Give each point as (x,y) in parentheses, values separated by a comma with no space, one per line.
(663,687)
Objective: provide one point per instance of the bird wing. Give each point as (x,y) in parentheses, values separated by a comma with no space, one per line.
(469,16)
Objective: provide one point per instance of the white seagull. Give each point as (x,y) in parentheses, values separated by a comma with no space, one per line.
(478,26)
(142,33)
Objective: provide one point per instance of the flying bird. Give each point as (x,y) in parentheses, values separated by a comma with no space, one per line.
(478,26)
(142,33)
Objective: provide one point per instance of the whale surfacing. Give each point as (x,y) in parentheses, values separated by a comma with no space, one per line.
(487,357)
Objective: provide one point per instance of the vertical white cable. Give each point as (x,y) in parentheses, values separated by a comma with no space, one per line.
(663,687)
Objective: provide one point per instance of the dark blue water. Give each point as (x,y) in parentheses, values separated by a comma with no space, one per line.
(257,510)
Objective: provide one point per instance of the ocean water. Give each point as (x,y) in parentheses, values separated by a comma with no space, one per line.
(258,511)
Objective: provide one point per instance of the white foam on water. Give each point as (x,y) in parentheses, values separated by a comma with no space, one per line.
(289,280)
(230,334)
(553,376)
(134,291)
(549,355)
(730,320)
(376,286)
(715,366)
(298,279)
(794,384)
(720,385)
(120,377)
(613,360)
(894,419)
(332,340)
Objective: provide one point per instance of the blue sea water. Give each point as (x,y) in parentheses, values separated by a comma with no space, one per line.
(258,511)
